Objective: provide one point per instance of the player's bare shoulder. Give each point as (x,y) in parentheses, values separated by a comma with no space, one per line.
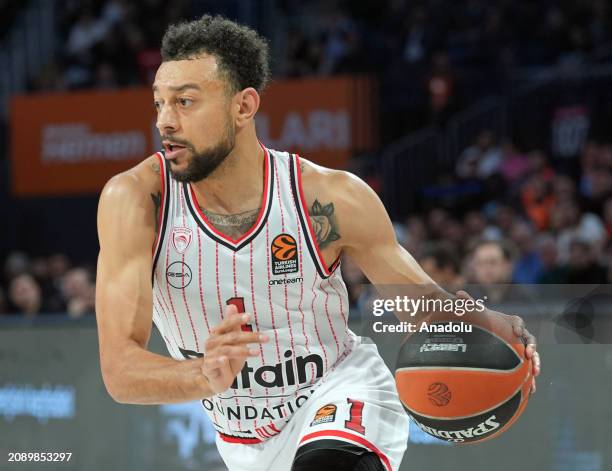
(331,196)
(133,196)
(342,207)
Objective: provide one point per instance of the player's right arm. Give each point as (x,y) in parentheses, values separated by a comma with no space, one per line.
(132,374)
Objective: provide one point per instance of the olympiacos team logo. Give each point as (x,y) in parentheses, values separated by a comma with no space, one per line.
(181,238)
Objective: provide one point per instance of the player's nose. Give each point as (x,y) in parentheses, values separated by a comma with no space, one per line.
(167,121)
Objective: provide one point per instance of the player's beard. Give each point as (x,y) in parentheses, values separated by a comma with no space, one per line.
(203,163)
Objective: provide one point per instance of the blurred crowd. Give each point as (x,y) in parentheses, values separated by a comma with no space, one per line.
(432,57)
(530,221)
(45,285)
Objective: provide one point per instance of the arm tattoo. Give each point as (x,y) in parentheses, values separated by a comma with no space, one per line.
(155,167)
(156,205)
(232,225)
(324,223)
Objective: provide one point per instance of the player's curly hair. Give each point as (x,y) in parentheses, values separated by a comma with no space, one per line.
(242,54)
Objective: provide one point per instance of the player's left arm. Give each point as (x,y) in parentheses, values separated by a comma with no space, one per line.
(368,237)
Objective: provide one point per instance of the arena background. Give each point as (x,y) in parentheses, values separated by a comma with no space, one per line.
(474,119)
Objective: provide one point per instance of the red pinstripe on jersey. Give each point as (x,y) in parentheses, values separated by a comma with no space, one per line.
(185,303)
(282,215)
(178,326)
(200,285)
(272,320)
(321,344)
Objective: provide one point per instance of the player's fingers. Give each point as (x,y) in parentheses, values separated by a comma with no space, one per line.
(231,322)
(537,363)
(518,325)
(234,338)
(533,386)
(463,294)
(239,352)
(531,344)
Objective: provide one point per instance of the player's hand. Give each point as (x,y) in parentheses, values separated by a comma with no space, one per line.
(520,330)
(227,349)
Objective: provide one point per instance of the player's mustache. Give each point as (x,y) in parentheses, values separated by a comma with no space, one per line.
(178,141)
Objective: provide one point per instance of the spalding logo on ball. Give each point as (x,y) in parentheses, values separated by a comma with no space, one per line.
(467,394)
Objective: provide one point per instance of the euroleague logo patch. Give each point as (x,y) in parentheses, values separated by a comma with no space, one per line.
(439,394)
(178,275)
(284,255)
(324,415)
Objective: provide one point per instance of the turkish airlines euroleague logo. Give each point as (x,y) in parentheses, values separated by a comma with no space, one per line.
(284,255)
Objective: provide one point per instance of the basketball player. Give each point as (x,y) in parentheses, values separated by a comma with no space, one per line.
(232,250)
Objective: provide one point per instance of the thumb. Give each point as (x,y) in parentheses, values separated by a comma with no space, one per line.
(463,295)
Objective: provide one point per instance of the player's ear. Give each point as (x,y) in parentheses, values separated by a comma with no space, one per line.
(248,104)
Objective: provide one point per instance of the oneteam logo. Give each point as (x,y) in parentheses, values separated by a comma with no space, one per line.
(286,281)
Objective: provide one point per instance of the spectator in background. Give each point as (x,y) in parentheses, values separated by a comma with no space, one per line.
(538,200)
(514,165)
(416,235)
(148,57)
(441,87)
(25,295)
(336,45)
(552,272)
(569,224)
(482,159)
(453,234)
(505,217)
(303,55)
(105,77)
(86,32)
(477,228)
(78,292)
(564,188)
(491,266)
(527,267)
(442,264)
(16,264)
(583,266)
(437,218)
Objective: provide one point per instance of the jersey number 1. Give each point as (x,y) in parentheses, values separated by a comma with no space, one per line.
(239,303)
(355,416)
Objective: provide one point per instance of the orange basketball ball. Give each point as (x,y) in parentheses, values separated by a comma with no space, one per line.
(464,386)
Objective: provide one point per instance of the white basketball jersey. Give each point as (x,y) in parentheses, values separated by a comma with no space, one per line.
(275,272)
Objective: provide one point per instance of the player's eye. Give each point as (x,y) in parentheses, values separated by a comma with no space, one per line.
(185,102)
(156,105)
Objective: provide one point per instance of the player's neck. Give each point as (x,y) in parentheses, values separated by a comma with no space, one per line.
(237,184)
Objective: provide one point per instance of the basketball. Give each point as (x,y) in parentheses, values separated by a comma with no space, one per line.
(464,385)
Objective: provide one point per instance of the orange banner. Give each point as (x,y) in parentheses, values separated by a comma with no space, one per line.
(73,143)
